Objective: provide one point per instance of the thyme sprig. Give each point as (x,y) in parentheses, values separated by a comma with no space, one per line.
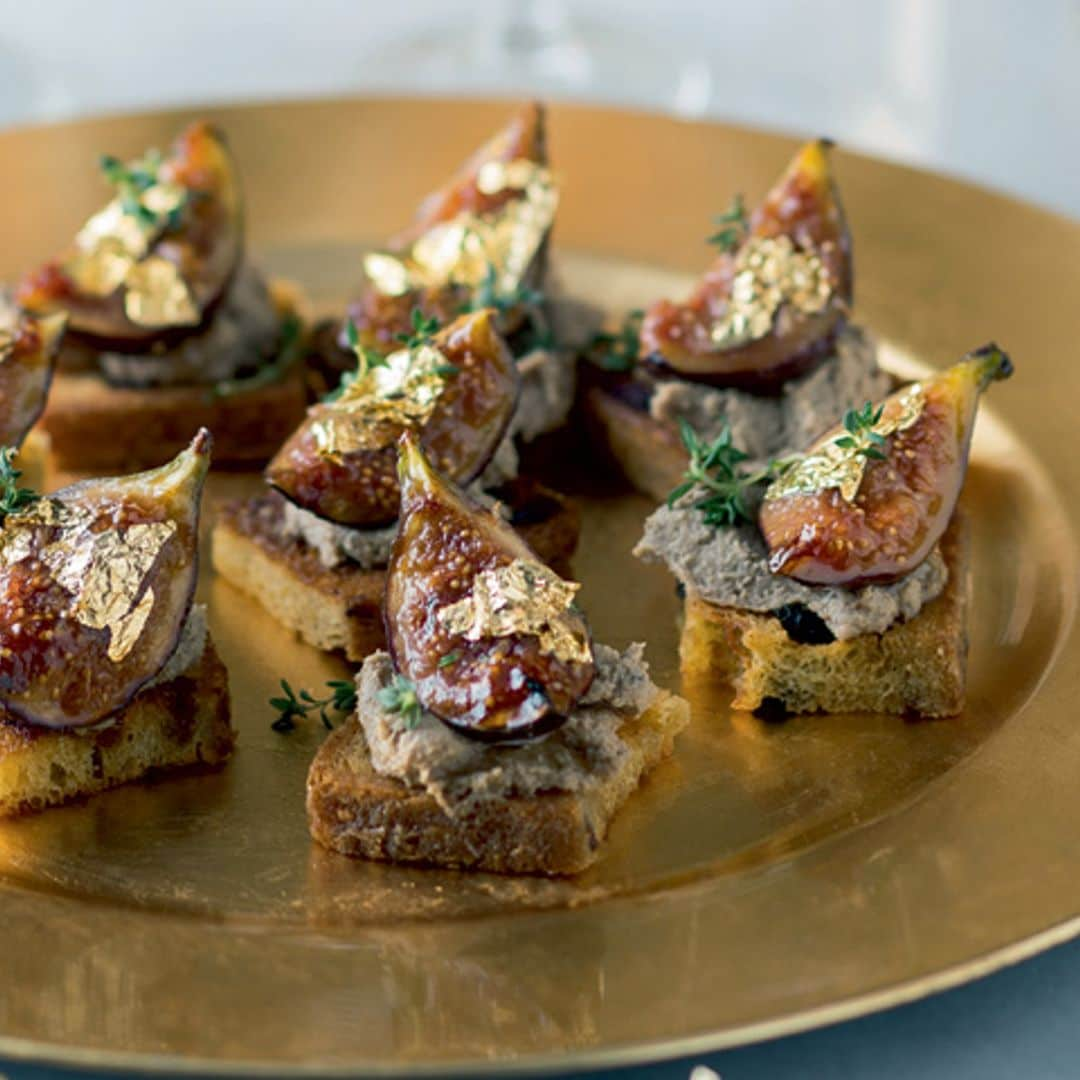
(400,697)
(298,704)
(488,294)
(422,330)
(861,436)
(12,496)
(618,351)
(132,182)
(714,468)
(734,224)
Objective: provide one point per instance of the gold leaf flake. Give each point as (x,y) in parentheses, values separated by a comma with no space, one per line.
(158,296)
(104,570)
(770,272)
(842,467)
(117,230)
(399,391)
(521,597)
(461,250)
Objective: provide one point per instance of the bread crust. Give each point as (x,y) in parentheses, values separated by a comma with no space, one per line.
(916,666)
(355,811)
(181,723)
(650,454)
(340,608)
(97,428)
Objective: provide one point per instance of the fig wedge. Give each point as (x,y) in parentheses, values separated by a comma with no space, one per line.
(154,271)
(28,348)
(341,463)
(443,279)
(768,310)
(96,581)
(869,500)
(524,138)
(489,637)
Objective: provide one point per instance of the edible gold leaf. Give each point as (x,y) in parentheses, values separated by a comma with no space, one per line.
(114,228)
(460,251)
(770,272)
(102,271)
(158,296)
(521,597)
(103,570)
(843,467)
(400,391)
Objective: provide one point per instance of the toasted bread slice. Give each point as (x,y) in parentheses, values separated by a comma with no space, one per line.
(355,811)
(916,666)
(650,454)
(179,723)
(341,607)
(97,428)
(94,427)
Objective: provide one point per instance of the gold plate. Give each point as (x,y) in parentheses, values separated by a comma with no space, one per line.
(769,878)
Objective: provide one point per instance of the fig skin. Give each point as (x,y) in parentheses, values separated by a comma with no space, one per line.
(904,502)
(469,421)
(206,248)
(804,205)
(26,374)
(55,671)
(379,318)
(497,689)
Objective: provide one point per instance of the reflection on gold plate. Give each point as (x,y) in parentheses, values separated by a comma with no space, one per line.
(770,877)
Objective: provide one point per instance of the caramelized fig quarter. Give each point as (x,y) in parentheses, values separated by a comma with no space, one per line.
(523,139)
(28,349)
(482,221)
(489,636)
(459,390)
(152,264)
(767,310)
(95,584)
(869,500)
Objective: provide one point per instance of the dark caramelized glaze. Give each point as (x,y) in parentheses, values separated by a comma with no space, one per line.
(676,338)
(56,668)
(494,688)
(25,373)
(206,248)
(903,503)
(467,424)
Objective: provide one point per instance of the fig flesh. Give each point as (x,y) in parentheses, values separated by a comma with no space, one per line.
(28,350)
(96,582)
(768,310)
(152,265)
(489,637)
(870,499)
(341,463)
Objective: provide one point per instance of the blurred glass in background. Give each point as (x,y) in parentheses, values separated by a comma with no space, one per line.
(980,88)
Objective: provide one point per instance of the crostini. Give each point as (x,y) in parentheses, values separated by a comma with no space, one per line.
(764,347)
(494,734)
(170,327)
(834,580)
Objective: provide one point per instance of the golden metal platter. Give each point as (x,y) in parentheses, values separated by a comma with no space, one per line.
(770,877)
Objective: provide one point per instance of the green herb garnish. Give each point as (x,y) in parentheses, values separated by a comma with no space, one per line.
(132,181)
(449,659)
(296,705)
(488,294)
(715,468)
(12,496)
(422,330)
(400,697)
(861,436)
(734,224)
(619,351)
